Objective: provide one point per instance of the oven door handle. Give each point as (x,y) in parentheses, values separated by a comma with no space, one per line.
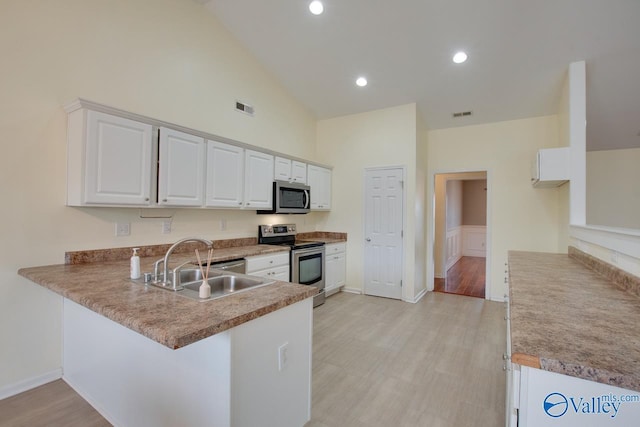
(316,249)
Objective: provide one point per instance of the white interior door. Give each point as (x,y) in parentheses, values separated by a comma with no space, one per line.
(384,202)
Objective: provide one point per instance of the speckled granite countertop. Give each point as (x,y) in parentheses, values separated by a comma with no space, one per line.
(160,315)
(572,320)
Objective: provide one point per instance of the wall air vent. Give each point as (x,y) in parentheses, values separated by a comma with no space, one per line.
(244,108)
(462,114)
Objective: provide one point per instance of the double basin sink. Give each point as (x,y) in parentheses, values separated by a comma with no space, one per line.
(223,283)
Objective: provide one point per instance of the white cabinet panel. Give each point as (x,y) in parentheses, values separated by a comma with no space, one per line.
(299,172)
(320,182)
(109,160)
(180,169)
(336,267)
(258,180)
(225,175)
(282,169)
(290,170)
(272,266)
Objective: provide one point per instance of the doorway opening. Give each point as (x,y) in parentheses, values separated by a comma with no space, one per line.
(460,243)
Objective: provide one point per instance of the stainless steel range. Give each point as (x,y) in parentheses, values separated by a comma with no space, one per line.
(306,263)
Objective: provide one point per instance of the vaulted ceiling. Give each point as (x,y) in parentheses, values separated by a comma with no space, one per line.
(519,52)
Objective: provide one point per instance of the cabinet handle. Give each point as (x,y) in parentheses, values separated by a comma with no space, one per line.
(164,200)
(146,200)
(271,262)
(240,203)
(248,204)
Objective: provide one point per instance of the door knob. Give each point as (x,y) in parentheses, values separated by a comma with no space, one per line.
(368,239)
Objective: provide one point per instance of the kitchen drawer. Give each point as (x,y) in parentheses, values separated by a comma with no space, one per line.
(335,248)
(263,262)
(276,273)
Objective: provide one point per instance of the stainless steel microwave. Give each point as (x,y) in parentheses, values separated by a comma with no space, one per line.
(289,198)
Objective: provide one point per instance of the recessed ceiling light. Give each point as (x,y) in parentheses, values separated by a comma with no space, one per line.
(459,57)
(361,81)
(316,7)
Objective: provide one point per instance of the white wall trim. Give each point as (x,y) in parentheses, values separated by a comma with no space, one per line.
(95,404)
(453,245)
(30,383)
(418,297)
(621,240)
(474,240)
(352,290)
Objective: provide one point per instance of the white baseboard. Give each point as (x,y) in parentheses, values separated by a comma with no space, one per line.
(418,297)
(29,383)
(352,290)
(332,291)
(92,402)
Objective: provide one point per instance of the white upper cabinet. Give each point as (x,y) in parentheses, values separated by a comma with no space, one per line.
(299,172)
(180,169)
(320,183)
(290,170)
(108,160)
(258,180)
(282,169)
(225,175)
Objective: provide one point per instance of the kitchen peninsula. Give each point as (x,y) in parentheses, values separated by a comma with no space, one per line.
(144,356)
(573,341)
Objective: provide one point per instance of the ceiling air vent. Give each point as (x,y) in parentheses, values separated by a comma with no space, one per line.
(244,108)
(462,114)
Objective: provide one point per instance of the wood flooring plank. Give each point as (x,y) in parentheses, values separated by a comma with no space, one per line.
(465,277)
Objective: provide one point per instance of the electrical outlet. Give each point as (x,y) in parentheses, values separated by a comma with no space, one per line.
(614,257)
(166,226)
(223,224)
(283,356)
(123,228)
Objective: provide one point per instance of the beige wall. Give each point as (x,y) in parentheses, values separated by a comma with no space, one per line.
(520,217)
(474,202)
(352,143)
(613,188)
(167,59)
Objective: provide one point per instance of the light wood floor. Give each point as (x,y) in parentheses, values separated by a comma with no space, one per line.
(465,277)
(51,405)
(376,362)
(381,362)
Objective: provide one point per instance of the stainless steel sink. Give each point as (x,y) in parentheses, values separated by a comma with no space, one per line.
(223,283)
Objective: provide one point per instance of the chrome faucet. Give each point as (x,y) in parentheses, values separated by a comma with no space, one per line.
(165,262)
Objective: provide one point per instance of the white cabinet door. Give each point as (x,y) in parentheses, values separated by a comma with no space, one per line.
(299,172)
(117,161)
(225,175)
(258,180)
(282,169)
(180,169)
(320,183)
(336,267)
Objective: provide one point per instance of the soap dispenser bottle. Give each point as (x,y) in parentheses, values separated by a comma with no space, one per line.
(135,264)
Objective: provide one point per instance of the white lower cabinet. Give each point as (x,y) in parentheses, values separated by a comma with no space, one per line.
(545,398)
(271,266)
(335,267)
